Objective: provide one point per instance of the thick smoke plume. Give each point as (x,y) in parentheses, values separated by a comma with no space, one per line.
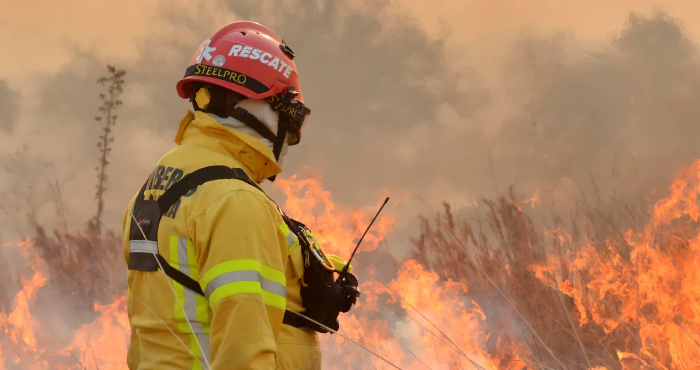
(390,112)
(627,109)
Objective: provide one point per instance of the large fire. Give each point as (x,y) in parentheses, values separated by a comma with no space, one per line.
(626,303)
(651,288)
(19,325)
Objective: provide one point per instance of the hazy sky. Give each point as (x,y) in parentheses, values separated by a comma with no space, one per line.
(410,96)
(41,34)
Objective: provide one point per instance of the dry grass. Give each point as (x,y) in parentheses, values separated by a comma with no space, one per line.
(493,251)
(497,248)
(78,274)
(80,270)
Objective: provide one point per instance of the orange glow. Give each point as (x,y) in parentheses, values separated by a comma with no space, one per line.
(19,325)
(3,327)
(656,288)
(337,228)
(412,342)
(107,337)
(534,199)
(423,319)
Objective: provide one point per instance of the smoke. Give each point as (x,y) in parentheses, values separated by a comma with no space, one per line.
(372,79)
(52,175)
(370,76)
(627,108)
(9,107)
(391,111)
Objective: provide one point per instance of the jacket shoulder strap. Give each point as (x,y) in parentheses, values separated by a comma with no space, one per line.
(191,181)
(172,195)
(180,277)
(199,177)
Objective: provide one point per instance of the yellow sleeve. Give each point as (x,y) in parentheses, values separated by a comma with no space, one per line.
(126,226)
(133,357)
(125,235)
(241,268)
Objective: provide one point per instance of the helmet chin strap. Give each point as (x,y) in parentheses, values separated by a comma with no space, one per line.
(279,141)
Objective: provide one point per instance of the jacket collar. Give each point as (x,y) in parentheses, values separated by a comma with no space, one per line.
(198,129)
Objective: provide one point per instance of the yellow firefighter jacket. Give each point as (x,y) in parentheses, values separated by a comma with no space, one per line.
(231,238)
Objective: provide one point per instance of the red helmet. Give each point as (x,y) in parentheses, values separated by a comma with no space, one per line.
(245,57)
(249,59)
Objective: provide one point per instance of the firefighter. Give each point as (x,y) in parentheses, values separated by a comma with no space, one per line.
(226,264)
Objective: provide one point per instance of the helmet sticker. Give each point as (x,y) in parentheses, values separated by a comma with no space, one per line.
(265,58)
(206,50)
(219,60)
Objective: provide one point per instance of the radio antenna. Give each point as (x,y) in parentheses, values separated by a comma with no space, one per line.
(347,266)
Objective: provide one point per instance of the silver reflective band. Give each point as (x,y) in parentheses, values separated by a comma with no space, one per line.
(197,327)
(291,239)
(204,347)
(142,246)
(190,296)
(245,275)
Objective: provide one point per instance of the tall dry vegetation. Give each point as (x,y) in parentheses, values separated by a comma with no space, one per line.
(110,102)
(80,268)
(502,242)
(86,266)
(608,284)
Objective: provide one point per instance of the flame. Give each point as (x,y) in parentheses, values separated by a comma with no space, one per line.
(652,290)
(20,322)
(102,344)
(645,292)
(440,307)
(534,199)
(3,325)
(19,325)
(106,338)
(337,228)
(416,341)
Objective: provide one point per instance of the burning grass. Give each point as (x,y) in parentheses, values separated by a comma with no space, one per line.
(614,292)
(53,294)
(609,286)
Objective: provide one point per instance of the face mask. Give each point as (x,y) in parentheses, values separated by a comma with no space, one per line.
(262,110)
